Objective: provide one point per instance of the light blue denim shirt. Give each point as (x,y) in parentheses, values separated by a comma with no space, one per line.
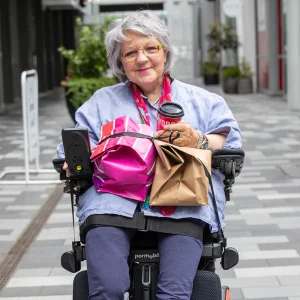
(205,111)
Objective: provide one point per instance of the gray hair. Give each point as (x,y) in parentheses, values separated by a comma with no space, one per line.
(142,22)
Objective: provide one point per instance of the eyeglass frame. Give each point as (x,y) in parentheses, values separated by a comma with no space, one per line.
(135,52)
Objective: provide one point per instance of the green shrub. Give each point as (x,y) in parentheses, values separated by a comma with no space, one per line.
(81,89)
(214,38)
(230,38)
(209,68)
(87,64)
(245,69)
(231,72)
(89,58)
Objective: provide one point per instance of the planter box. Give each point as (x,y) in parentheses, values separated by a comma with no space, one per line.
(229,85)
(211,79)
(245,86)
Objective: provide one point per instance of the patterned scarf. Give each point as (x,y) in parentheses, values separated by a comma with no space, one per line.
(144,113)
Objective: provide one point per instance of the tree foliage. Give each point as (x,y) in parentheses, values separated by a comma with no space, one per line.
(89,58)
(230,38)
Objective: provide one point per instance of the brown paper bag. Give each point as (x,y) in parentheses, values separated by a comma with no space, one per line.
(180,178)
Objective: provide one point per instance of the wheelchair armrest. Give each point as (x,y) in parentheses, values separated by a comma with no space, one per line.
(228,161)
(212,250)
(77,184)
(58,166)
(229,256)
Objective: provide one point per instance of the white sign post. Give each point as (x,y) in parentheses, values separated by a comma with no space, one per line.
(30,108)
(29,83)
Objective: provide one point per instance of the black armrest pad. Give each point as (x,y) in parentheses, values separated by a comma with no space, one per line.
(229,152)
(228,161)
(58,164)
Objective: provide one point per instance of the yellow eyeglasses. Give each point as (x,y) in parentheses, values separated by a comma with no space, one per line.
(148,51)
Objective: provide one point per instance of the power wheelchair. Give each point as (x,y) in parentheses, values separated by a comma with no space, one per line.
(144,258)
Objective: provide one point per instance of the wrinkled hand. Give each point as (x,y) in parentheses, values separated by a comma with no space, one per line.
(66,168)
(188,136)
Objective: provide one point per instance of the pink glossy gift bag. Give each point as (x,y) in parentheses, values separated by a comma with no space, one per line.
(124,165)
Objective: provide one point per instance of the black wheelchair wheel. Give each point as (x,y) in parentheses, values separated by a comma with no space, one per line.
(80,286)
(207,286)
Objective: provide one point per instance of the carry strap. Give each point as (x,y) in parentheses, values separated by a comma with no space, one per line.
(74,194)
(213,198)
(73,218)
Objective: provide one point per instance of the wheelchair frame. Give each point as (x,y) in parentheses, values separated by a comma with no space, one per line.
(145,261)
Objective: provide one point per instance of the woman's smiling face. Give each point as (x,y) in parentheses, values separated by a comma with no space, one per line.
(143,60)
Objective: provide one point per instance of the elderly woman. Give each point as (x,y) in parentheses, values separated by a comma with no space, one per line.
(140,54)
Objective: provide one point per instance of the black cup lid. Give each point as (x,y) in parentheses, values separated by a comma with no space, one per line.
(171,110)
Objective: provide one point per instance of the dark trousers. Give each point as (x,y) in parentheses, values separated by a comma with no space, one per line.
(107,250)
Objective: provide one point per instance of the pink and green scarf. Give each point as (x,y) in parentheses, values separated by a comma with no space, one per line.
(144,113)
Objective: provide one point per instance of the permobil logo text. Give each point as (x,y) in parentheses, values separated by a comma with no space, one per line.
(146,255)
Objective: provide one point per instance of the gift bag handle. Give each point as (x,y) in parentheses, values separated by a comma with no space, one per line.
(127,133)
(142,136)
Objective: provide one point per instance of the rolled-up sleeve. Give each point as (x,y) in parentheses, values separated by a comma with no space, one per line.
(222,121)
(60,151)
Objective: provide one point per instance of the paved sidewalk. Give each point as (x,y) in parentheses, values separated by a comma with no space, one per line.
(263,217)
(19,204)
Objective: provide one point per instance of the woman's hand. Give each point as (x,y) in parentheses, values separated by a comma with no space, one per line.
(66,168)
(188,136)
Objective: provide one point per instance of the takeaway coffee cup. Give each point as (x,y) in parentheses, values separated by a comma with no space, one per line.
(169,113)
